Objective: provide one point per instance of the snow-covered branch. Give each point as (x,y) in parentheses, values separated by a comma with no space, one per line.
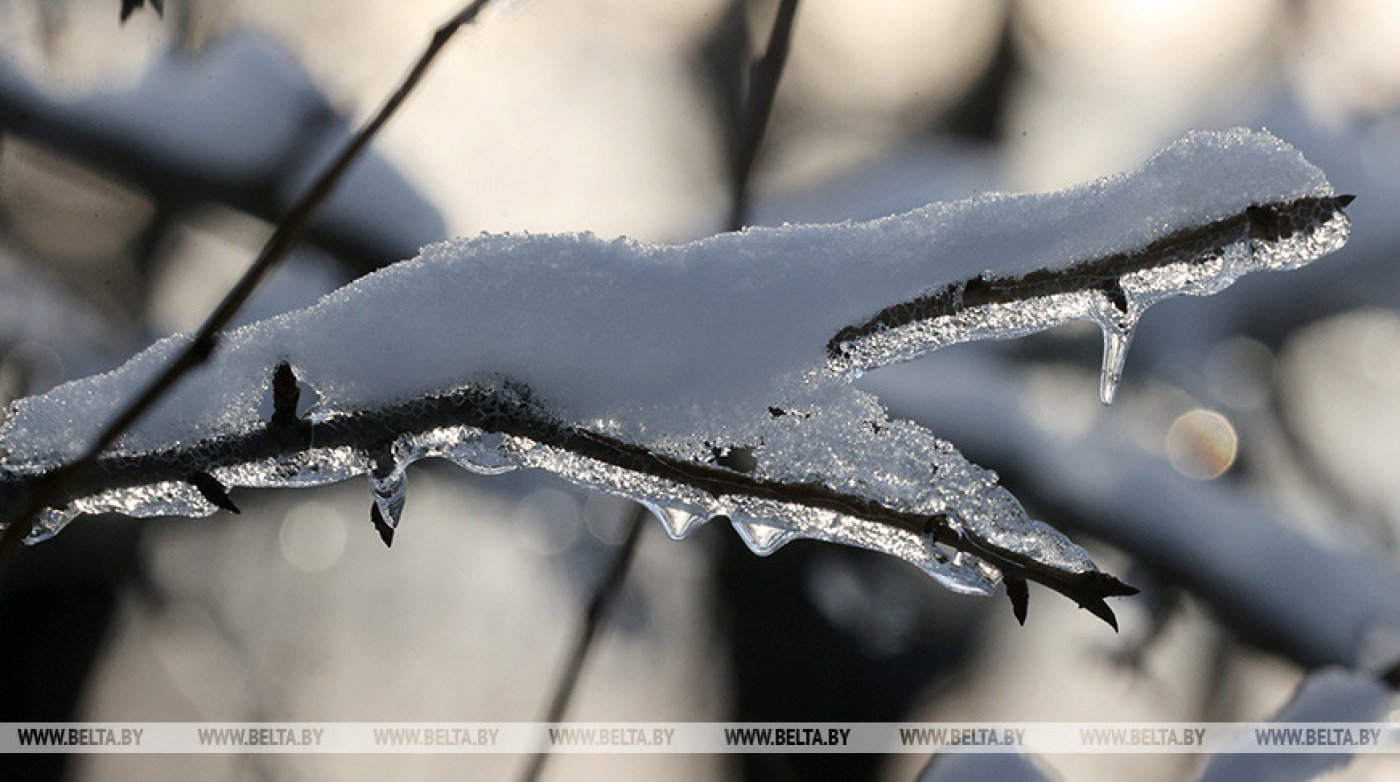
(709,379)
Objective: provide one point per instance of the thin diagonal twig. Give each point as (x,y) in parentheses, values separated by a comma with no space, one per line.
(206,339)
(764,75)
(603,597)
(599,607)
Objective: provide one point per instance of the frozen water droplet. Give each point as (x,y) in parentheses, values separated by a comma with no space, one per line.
(390,493)
(762,539)
(481,468)
(1115,353)
(677,523)
(48,524)
(483,456)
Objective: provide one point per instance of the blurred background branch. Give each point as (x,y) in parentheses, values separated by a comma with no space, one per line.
(743,131)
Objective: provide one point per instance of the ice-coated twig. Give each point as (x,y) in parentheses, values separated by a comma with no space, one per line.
(1113,290)
(299,454)
(20,519)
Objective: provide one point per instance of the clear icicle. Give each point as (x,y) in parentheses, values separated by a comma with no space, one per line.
(677,523)
(762,539)
(1115,352)
(49,523)
(390,493)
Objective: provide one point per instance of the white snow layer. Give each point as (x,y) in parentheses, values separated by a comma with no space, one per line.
(682,348)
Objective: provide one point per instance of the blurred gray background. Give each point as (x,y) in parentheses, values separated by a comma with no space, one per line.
(1248,478)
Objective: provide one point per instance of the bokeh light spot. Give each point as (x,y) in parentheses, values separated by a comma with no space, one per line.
(312,537)
(1202,444)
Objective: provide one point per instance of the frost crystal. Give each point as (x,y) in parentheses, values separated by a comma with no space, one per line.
(705,380)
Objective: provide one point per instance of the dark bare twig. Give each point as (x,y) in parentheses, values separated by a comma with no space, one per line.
(604,596)
(599,607)
(130,6)
(764,75)
(206,339)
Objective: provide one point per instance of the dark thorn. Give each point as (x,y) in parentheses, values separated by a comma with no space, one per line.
(932,524)
(1094,587)
(285,395)
(1345,200)
(1116,295)
(1099,608)
(1020,595)
(386,532)
(777,412)
(213,491)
